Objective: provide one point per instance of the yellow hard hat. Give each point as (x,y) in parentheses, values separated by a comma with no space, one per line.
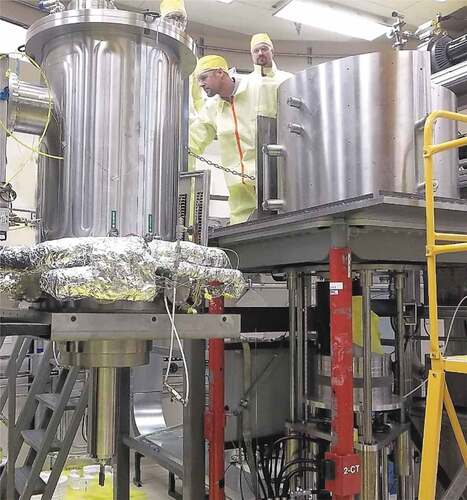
(208,63)
(261,38)
(169,6)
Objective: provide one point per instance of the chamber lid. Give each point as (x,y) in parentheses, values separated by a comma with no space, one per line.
(67,22)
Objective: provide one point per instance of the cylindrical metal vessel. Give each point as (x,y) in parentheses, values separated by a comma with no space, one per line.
(382,382)
(348,128)
(116,78)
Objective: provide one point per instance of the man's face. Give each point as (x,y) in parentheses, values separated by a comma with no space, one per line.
(262,54)
(210,81)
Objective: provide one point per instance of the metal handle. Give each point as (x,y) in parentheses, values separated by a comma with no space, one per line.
(270,151)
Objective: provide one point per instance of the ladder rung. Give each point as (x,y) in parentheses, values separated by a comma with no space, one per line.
(52,399)
(21,477)
(457,364)
(35,439)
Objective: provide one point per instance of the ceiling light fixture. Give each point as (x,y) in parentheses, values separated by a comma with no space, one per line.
(225,1)
(332,17)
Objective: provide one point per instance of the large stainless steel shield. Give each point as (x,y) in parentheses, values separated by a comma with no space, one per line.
(116,78)
(348,127)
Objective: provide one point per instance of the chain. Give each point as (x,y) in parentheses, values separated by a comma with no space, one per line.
(220,167)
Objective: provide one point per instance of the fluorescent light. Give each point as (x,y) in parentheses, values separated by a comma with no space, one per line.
(225,1)
(331,17)
(12,36)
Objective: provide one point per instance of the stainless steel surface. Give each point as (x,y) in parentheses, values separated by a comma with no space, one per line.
(107,326)
(91,4)
(384,474)
(446,166)
(102,413)
(370,473)
(366,279)
(116,77)
(404,466)
(28,106)
(300,358)
(105,353)
(382,397)
(194,466)
(292,286)
(358,118)
(376,225)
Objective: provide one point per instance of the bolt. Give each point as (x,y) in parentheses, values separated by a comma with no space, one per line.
(73,318)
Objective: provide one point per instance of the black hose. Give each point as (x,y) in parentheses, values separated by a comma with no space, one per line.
(301,470)
(291,464)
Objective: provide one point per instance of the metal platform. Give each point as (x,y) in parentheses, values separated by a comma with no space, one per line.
(116,326)
(383,227)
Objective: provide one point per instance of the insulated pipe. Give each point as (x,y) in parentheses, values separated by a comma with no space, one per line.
(28,106)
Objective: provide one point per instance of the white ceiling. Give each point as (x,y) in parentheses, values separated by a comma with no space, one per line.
(251,16)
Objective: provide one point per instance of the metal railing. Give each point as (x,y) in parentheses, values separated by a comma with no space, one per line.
(438,243)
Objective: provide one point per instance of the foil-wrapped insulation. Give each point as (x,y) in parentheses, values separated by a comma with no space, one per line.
(189,252)
(15,258)
(114,269)
(119,269)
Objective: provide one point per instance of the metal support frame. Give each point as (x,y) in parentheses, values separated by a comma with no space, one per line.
(194,466)
(438,392)
(121,477)
(215,416)
(346,481)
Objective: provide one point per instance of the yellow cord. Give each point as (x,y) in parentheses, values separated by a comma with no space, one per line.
(49,114)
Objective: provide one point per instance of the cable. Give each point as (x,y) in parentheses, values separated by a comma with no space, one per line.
(174,330)
(419,386)
(451,324)
(49,113)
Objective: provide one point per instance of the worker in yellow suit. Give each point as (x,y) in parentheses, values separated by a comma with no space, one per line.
(266,74)
(230,114)
(173,11)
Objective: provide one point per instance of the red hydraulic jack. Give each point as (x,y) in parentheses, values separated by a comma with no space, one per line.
(215,416)
(342,464)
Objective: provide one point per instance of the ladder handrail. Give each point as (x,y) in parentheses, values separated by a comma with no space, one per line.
(437,393)
(432,248)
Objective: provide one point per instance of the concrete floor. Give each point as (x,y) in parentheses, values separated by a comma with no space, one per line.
(155,481)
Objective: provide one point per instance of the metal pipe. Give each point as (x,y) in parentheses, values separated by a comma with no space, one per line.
(400,331)
(384,474)
(102,413)
(292,286)
(28,106)
(216,415)
(300,348)
(370,473)
(367,381)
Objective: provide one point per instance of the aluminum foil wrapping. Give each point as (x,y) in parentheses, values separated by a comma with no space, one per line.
(86,282)
(119,269)
(189,252)
(113,269)
(218,281)
(16,258)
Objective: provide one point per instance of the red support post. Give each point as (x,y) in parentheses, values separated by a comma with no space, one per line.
(215,416)
(343,479)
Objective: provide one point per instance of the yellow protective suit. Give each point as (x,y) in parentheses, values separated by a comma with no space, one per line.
(268,81)
(234,123)
(235,126)
(357,326)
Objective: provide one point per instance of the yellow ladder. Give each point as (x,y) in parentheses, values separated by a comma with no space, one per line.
(437,389)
